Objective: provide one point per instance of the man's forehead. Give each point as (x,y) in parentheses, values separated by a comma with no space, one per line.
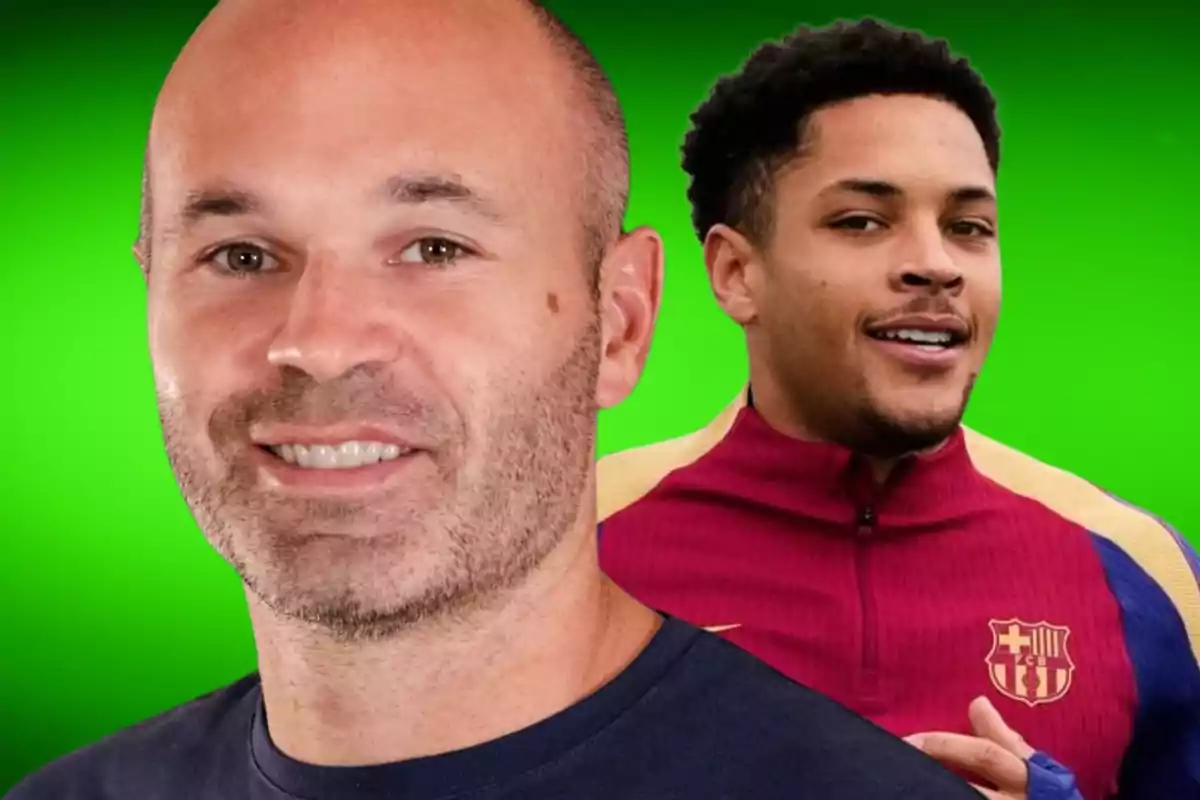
(898,127)
(268,31)
(272,96)
(425,107)
(913,144)
(297,75)
(403,143)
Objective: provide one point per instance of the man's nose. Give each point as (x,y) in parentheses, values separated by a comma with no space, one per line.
(334,324)
(926,265)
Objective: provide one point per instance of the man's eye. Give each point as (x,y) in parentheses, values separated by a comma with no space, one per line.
(857,223)
(242,258)
(970,228)
(431,250)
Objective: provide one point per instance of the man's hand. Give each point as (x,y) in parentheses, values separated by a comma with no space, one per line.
(996,753)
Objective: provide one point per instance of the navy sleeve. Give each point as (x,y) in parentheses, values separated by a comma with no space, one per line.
(1163,760)
(1050,780)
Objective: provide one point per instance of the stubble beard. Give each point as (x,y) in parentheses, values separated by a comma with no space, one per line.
(479,531)
(852,417)
(842,409)
(883,435)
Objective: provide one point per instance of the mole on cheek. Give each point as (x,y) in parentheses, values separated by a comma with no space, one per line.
(552,302)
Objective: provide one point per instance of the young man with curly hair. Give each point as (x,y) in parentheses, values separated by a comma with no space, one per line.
(837,520)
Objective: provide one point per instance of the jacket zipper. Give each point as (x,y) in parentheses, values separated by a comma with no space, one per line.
(869,664)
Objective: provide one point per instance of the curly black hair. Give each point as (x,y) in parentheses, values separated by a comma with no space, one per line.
(754,121)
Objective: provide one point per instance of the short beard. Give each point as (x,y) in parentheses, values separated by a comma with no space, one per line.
(495,522)
(878,435)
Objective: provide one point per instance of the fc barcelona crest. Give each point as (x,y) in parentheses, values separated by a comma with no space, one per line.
(1029,661)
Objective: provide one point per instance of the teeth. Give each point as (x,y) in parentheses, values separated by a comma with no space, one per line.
(346,455)
(939,338)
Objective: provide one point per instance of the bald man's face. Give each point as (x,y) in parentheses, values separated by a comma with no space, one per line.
(375,342)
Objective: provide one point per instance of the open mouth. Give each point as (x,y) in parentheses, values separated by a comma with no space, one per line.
(341,455)
(928,337)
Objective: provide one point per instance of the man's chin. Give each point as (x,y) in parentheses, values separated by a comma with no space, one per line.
(897,434)
(903,420)
(345,619)
(361,588)
(351,614)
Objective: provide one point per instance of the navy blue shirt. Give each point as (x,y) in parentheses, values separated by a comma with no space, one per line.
(693,717)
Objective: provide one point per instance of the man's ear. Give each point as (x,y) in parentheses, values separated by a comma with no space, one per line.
(732,261)
(631,279)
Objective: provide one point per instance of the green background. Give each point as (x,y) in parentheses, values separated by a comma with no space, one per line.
(111,605)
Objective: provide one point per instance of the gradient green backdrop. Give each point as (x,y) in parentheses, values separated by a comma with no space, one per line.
(111,605)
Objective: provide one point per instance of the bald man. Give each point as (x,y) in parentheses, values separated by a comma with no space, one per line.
(385,304)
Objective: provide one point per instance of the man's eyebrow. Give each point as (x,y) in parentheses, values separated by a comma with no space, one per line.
(200,204)
(418,189)
(885,190)
(874,188)
(973,194)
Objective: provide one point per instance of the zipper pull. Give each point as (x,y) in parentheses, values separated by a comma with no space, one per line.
(866,519)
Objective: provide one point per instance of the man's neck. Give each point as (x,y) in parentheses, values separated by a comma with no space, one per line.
(447,686)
